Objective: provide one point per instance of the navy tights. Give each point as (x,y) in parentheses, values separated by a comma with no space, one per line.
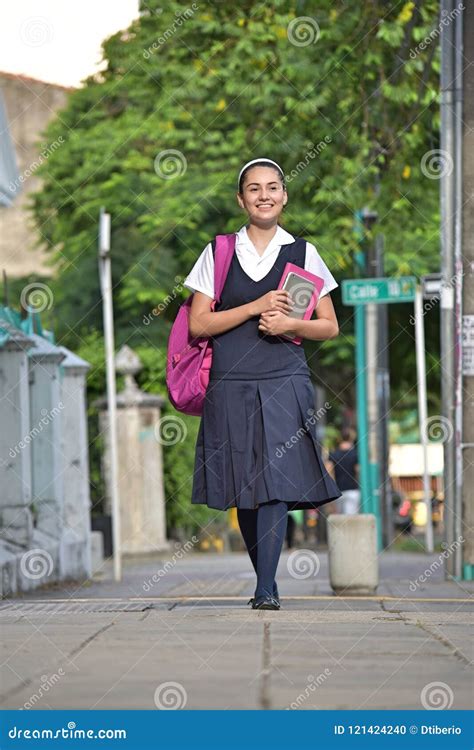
(263,530)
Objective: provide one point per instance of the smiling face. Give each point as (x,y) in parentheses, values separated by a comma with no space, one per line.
(263,195)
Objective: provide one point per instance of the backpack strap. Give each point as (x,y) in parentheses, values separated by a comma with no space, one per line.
(223,254)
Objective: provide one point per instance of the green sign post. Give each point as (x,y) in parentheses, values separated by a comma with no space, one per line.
(360,292)
(385,290)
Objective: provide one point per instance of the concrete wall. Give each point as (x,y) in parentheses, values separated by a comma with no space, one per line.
(30,105)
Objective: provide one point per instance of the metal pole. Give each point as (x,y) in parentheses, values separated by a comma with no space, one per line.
(107,308)
(383,389)
(447,270)
(423,411)
(465,113)
(459,293)
(362,423)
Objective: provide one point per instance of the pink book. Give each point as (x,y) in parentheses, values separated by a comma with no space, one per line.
(318,285)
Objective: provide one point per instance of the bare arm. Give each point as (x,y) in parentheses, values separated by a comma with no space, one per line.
(325,326)
(204,322)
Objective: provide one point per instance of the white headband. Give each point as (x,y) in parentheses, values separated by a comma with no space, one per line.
(254,161)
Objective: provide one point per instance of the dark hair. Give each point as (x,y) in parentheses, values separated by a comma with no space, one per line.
(261,164)
(347,434)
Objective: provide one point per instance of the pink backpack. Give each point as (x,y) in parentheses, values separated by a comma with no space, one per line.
(189,359)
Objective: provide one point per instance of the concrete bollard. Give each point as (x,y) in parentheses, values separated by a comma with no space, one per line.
(352,553)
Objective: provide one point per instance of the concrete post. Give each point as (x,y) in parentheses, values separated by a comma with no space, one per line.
(141,488)
(16,520)
(352,554)
(75,551)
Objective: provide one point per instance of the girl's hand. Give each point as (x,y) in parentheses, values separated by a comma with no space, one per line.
(272,301)
(275,323)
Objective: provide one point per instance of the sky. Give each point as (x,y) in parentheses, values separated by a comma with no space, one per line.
(59,40)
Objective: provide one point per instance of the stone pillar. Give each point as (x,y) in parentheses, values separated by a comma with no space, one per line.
(75,550)
(141,487)
(45,429)
(16,520)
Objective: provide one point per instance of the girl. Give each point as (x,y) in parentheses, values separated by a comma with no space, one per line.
(256,447)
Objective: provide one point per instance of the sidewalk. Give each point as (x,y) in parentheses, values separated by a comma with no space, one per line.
(116,645)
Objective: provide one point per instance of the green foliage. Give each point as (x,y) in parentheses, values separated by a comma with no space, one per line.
(349,116)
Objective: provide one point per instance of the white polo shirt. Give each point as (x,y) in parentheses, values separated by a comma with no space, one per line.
(201,276)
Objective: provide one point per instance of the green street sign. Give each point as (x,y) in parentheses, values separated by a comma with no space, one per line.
(384,290)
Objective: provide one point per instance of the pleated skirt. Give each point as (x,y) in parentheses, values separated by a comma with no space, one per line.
(257,443)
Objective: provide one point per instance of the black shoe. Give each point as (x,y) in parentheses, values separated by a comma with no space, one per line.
(265,602)
(276,598)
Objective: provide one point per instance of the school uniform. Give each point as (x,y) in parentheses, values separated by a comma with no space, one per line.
(257,436)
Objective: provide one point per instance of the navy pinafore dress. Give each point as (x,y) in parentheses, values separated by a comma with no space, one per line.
(257,436)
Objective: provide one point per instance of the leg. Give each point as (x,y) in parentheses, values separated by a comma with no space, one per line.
(271,528)
(247,519)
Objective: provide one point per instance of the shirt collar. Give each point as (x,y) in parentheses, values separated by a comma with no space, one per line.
(281,237)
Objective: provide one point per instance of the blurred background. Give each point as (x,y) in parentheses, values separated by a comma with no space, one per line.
(149,110)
